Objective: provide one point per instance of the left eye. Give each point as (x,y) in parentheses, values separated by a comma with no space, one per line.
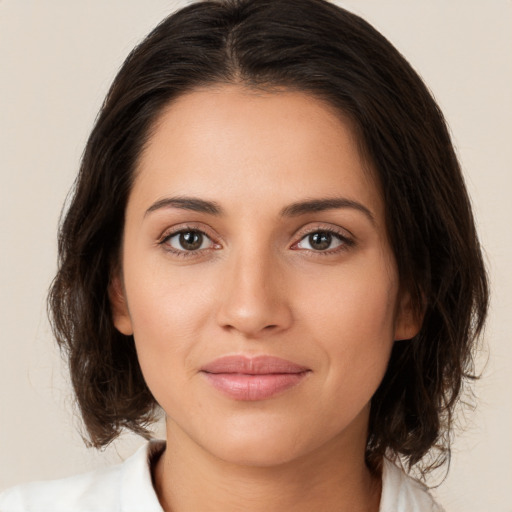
(189,240)
(321,241)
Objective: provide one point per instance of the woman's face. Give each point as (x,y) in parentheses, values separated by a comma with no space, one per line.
(257,277)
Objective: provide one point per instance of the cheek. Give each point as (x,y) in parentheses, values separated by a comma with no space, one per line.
(168,311)
(351,317)
(357,301)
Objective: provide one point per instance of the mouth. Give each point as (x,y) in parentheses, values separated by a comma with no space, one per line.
(253,378)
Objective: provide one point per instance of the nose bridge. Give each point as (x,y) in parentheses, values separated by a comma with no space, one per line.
(254,298)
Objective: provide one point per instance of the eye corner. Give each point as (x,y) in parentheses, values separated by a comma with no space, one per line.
(173,241)
(341,239)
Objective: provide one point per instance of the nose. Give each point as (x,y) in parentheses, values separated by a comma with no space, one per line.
(254,298)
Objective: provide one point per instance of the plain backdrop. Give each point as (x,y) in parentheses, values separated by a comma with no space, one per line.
(57,59)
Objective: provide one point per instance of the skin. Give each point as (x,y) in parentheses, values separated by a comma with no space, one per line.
(257,285)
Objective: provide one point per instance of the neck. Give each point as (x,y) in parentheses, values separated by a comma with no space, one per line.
(332,478)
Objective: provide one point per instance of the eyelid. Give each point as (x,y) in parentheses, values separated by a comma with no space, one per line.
(188,226)
(312,227)
(348,239)
(184,227)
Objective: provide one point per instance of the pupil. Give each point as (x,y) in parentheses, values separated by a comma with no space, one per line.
(191,240)
(320,241)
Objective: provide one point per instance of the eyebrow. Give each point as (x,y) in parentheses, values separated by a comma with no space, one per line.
(320,205)
(293,210)
(187,203)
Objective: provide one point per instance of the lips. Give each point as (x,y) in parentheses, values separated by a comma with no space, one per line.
(253,378)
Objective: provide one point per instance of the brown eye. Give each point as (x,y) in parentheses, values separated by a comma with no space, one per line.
(190,240)
(322,241)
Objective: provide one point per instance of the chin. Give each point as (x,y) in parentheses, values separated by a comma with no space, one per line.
(262,453)
(264,442)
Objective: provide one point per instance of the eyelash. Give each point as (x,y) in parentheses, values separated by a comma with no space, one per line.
(184,253)
(346,242)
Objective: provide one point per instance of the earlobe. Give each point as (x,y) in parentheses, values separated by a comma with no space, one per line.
(408,319)
(120,314)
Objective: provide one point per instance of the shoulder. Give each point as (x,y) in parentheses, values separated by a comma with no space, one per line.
(400,492)
(125,487)
(96,490)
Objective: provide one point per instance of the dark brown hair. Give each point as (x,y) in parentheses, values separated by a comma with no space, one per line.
(321,49)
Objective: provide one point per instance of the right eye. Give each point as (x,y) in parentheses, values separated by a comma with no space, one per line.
(188,240)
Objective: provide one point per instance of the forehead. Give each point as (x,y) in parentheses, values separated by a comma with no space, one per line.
(235,143)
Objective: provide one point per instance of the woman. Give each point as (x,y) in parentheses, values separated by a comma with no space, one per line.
(270,239)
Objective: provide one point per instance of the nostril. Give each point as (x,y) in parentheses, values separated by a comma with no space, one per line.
(250,306)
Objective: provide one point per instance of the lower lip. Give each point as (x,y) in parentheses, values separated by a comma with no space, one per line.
(253,387)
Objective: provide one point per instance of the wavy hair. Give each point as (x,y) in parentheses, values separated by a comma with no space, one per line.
(323,50)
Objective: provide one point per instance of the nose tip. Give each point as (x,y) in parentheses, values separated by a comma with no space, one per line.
(254,301)
(249,321)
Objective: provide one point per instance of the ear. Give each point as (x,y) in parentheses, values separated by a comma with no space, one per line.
(118,305)
(408,320)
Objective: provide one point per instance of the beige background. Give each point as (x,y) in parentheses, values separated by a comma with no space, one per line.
(57,58)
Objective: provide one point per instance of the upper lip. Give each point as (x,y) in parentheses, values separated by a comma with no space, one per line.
(259,365)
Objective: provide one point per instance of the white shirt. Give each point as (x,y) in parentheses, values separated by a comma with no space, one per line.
(127,487)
